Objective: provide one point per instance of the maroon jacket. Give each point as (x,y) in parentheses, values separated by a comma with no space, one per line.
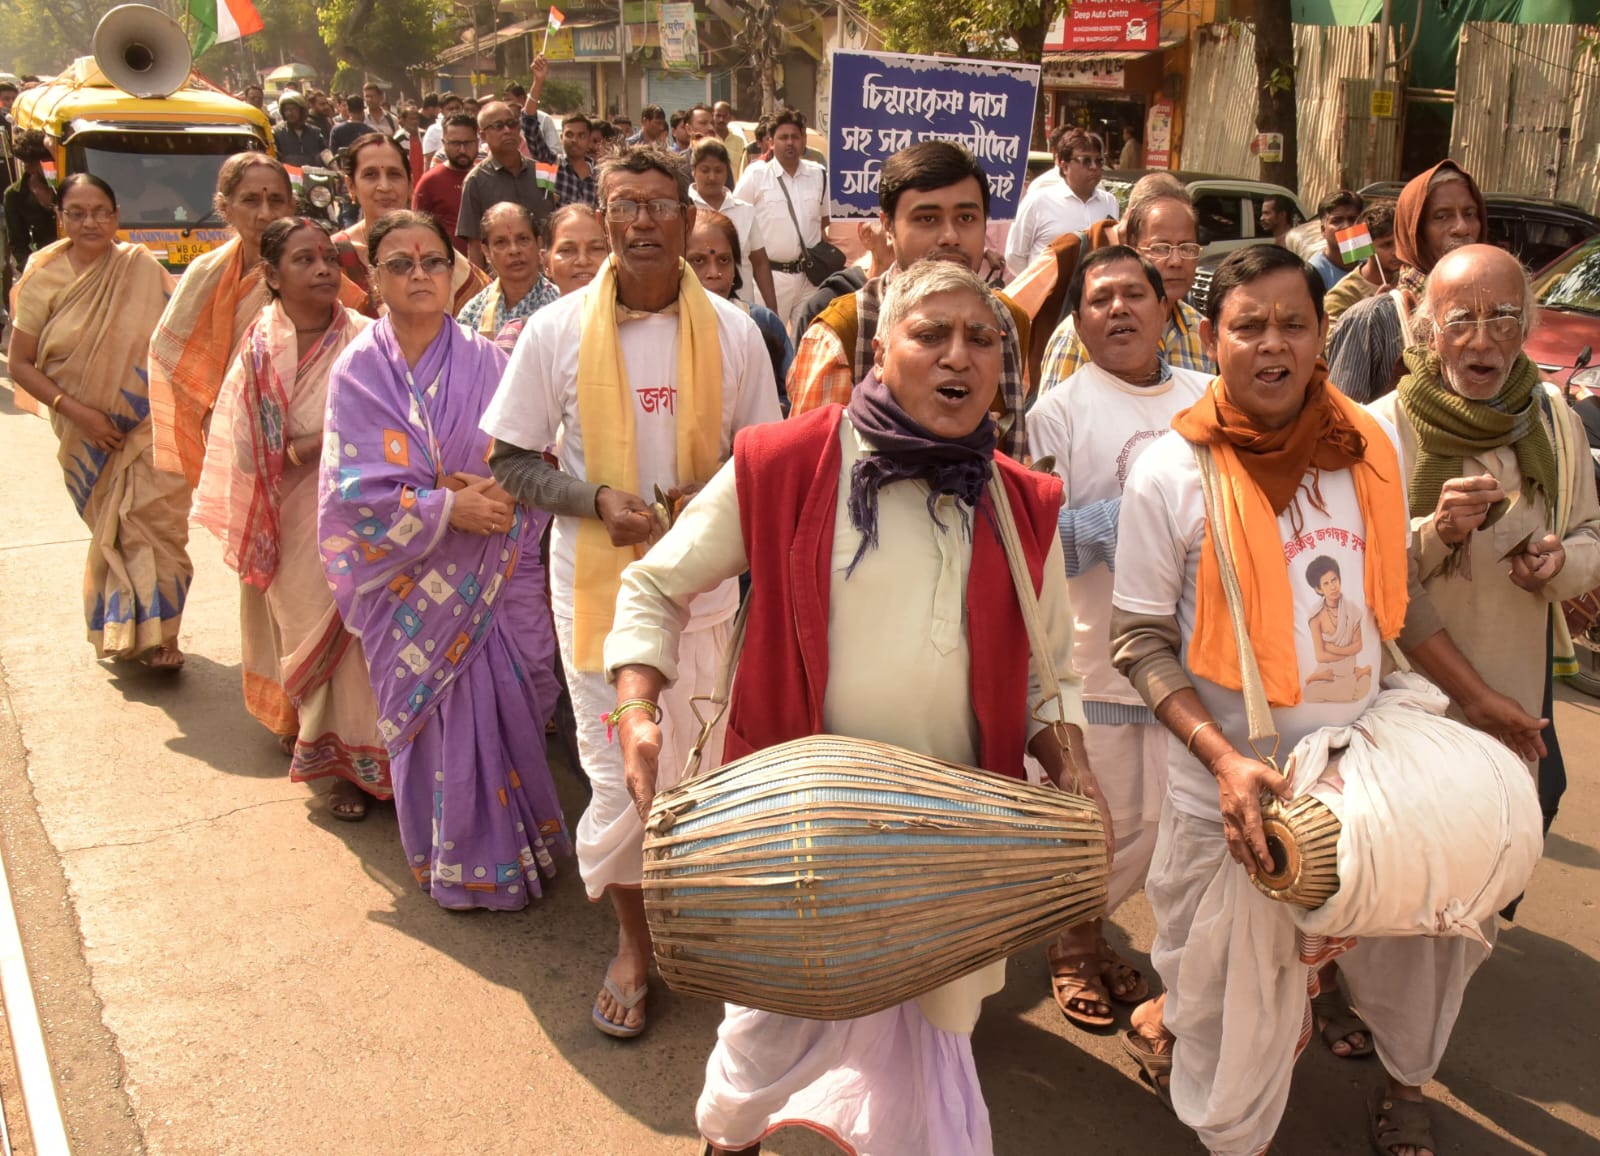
(787,475)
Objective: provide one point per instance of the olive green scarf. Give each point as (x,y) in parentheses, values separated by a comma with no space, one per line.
(1451,428)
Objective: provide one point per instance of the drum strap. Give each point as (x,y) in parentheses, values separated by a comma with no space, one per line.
(1043,666)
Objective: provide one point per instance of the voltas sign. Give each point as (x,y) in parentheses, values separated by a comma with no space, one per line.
(1092,27)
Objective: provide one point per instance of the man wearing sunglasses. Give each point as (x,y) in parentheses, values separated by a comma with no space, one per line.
(1071,206)
(504,175)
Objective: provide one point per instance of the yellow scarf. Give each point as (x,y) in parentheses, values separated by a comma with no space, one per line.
(611,456)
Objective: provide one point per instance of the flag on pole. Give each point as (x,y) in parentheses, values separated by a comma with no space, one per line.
(1355,244)
(556,20)
(219,21)
(544,176)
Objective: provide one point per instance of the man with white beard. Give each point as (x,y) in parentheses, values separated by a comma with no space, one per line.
(1095,425)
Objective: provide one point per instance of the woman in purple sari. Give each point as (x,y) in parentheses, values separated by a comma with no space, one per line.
(437,571)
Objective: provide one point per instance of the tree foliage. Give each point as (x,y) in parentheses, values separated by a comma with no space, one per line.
(44,36)
(390,38)
(999,29)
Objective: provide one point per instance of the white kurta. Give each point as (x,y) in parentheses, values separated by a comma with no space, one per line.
(536,406)
(901,1082)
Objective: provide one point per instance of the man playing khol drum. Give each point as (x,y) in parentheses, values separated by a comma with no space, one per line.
(1304,474)
(882,608)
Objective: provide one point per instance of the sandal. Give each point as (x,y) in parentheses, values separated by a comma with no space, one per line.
(1119,972)
(627,1002)
(1154,1066)
(1338,1021)
(1079,991)
(166,657)
(347,802)
(1398,1123)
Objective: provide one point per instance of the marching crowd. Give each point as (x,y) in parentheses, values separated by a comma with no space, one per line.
(452,500)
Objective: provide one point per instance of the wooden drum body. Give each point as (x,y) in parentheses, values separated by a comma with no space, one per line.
(1303,839)
(830,878)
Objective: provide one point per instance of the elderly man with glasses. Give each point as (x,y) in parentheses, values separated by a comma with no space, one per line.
(640,381)
(1504,520)
(1069,207)
(504,175)
(1161,225)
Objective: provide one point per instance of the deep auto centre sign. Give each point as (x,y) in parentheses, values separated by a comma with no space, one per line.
(1092,27)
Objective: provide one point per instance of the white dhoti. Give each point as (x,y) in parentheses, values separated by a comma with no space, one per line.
(889,1084)
(610,834)
(1129,762)
(1238,991)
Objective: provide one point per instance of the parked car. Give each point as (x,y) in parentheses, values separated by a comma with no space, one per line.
(1535,230)
(1568,295)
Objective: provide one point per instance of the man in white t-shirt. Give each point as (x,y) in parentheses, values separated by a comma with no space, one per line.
(1315,516)
(788,195)
(1095,426)
(581,360)
(1070,207)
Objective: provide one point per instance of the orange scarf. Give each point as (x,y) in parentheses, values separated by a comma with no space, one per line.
(1254,468)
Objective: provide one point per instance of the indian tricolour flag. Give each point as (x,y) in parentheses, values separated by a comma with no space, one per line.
(544,176)
(1355,244)
(219,21)
(556,19)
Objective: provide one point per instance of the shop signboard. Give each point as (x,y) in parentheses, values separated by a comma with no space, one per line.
(1095,26)
(1087,73)
(882,102)
(558,46)
(680,43)
(597,43)
(1158,135)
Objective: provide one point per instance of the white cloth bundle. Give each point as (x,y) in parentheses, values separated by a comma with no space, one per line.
(1441,822)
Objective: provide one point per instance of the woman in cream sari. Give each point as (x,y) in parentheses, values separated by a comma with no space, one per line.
(85,309)
(258,494)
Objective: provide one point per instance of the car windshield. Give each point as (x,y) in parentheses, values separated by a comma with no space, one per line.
(160,178)
(1573,282)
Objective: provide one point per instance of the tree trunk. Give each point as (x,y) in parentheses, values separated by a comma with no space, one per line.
(1275,89)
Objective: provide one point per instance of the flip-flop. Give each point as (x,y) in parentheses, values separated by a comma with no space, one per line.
(1154,1066)
(628,1003)
(1339,1022)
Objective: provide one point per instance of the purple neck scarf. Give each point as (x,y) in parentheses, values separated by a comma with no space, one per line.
(904,451)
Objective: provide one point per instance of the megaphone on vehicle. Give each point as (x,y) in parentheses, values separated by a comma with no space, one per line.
(142,51)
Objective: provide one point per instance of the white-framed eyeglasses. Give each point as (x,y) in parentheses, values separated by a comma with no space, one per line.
(1500,327)
(660,209)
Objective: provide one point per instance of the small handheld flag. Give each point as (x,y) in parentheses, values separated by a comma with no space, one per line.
(544,176)
(1355,244)
(552,23)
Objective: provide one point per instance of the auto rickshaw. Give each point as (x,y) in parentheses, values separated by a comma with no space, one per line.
(134,115)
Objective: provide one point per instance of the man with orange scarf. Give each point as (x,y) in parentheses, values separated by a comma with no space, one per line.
(1438,212)
(1310,483)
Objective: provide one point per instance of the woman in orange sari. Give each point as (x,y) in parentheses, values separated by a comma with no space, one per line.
(258,494)
(378,172)
(85,309)
(218,296)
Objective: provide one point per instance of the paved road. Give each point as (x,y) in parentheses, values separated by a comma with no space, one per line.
(224,970)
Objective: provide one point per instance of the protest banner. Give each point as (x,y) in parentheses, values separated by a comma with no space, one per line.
(883,102)
(680,42)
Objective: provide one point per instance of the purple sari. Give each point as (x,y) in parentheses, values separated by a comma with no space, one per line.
(455,627)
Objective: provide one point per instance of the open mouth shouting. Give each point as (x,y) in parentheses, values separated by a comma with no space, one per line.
(1273,375)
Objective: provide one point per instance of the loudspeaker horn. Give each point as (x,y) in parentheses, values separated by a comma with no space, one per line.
(142,51)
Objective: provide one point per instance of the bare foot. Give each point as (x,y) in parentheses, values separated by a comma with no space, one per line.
(164,657)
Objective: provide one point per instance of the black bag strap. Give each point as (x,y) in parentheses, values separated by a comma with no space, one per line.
(787,200)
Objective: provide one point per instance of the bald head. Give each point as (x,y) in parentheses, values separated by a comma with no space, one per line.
(500,128)
(1476,312)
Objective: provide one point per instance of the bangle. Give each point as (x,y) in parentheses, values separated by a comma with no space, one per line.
(55,402)
(612,719)
(1189,744)
(293,456)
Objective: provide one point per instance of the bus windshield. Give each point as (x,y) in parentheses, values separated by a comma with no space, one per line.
(160,178)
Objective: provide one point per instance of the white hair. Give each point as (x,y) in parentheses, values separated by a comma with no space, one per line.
(925,279)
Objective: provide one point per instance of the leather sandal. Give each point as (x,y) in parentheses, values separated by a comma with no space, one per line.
(1076,983)
(1338,1021)
(1398,1123)
(1154,1066)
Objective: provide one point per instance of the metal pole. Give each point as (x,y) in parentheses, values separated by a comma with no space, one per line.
(1381,65)
(622,52)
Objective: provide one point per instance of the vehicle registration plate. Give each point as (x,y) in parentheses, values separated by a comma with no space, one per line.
(182,252)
